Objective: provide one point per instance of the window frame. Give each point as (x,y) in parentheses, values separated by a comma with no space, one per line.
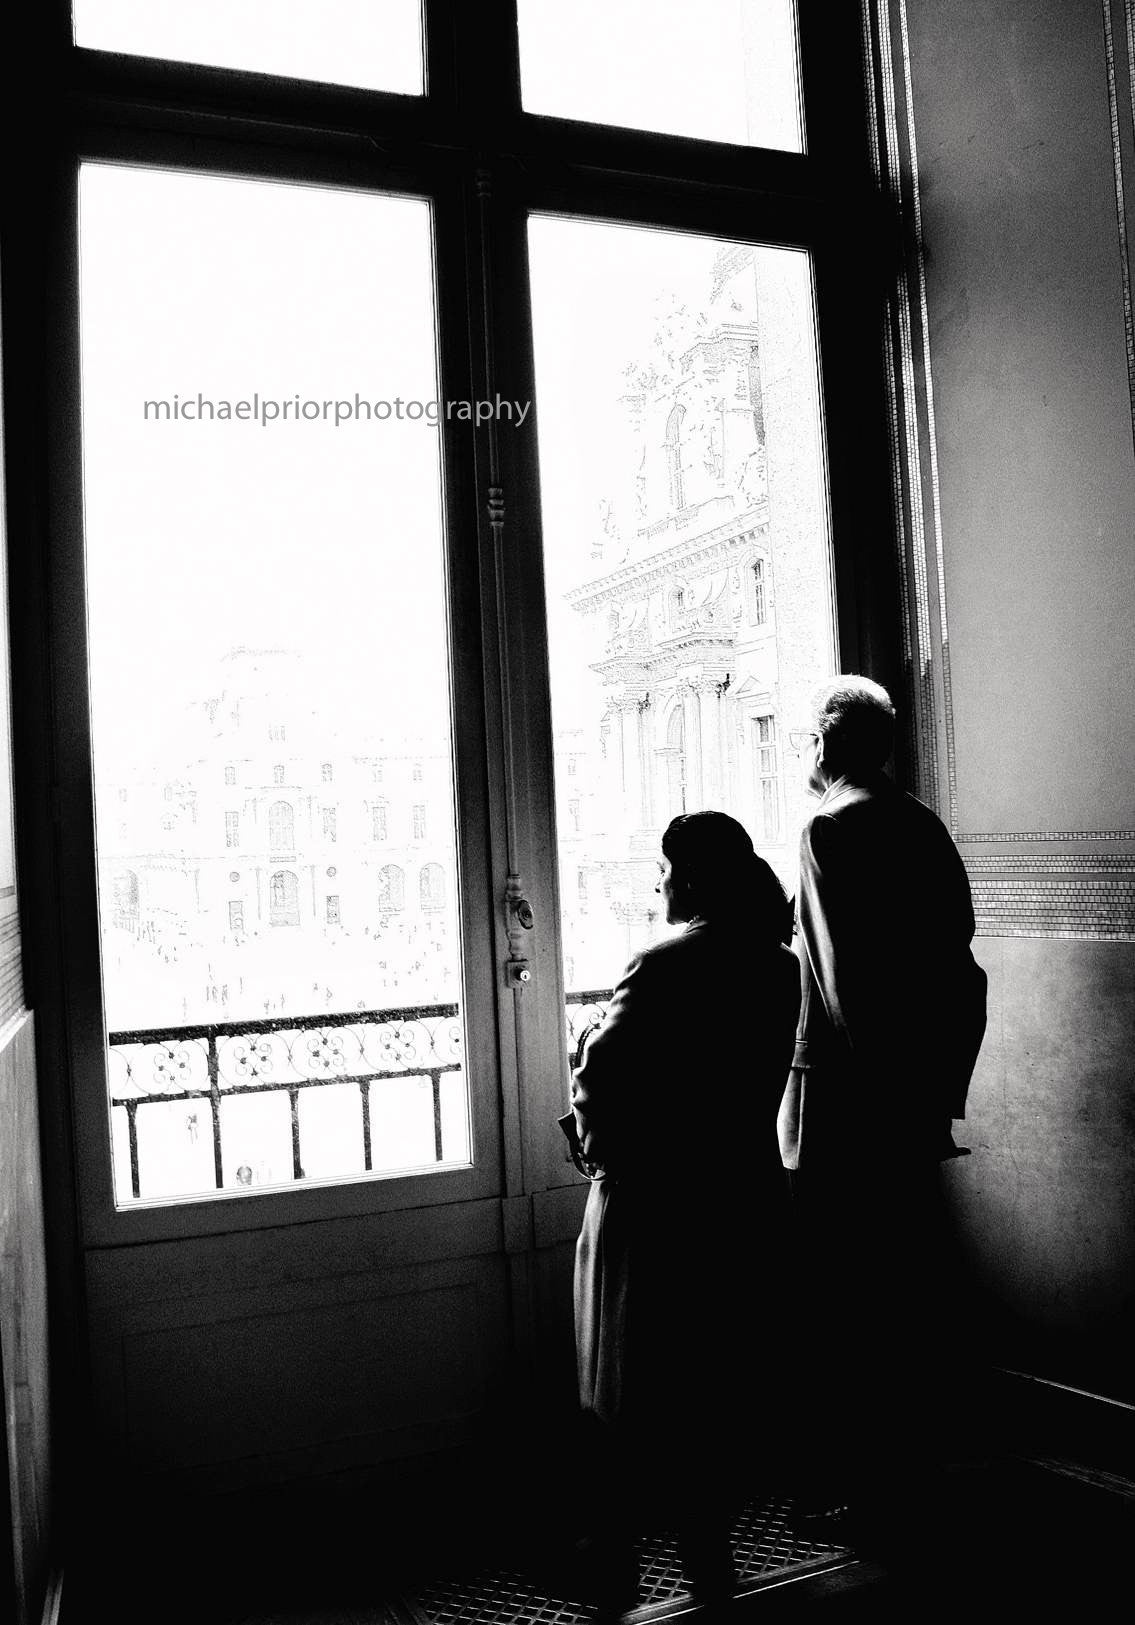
(485,164)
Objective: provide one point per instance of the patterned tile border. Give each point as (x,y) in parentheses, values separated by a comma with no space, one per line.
(1056,863)
(1011,837)
(1093,906)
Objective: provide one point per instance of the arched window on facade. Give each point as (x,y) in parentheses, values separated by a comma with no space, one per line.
(768,775)
(391,889)
(284,898)
(758,582)
(431,886)
(678,600)
(674,456)
(281,827)
(676,761)
(126,900)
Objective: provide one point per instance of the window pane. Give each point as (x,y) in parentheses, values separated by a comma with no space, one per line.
(721,70)
(667,694)
(371,44)
(268,640)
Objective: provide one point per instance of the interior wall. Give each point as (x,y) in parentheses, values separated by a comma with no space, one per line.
(1025,159)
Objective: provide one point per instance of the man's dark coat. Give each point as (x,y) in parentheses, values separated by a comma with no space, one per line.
(892,1002)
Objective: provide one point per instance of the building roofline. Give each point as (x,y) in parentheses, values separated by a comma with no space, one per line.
(628,579)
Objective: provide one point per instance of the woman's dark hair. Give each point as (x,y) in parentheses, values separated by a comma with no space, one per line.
(716,873)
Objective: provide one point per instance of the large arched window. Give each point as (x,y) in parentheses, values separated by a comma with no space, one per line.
(126,899)
(431,886)
(758,592)
(284,898)
(281,827)
(391,889)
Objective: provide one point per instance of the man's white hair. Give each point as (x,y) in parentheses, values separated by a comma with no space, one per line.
(856,719)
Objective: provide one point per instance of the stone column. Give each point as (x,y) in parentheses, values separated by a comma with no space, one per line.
(646,761)
(628,708)
(695,791)
(709,712)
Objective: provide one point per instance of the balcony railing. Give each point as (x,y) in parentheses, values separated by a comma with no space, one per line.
(584,1011)
(226,1060)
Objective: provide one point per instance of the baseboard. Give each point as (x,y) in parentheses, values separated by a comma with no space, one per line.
(53,1601)
(1093,1478)
(1044,1420)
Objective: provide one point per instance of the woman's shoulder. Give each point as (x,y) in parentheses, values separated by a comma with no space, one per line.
(714,940)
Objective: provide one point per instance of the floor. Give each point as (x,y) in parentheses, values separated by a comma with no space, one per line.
(1009,1537)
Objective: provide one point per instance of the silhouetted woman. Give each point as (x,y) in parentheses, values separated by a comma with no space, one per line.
(680,1255)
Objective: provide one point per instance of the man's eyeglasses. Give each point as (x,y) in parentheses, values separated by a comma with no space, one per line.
(798,739)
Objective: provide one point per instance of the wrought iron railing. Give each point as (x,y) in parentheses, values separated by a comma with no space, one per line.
(225,1060)
(584,1011)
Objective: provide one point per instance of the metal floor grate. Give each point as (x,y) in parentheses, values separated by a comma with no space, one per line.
(764,1546)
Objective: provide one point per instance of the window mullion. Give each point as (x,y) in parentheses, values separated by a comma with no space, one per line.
(509,512)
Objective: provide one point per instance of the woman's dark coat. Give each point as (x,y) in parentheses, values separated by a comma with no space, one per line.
(681,1245)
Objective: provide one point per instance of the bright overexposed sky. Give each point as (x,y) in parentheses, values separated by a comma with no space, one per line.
(599,295)
(719,70)
(202,536)
(373,44)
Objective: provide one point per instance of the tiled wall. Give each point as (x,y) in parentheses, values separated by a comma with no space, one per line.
(1087,897)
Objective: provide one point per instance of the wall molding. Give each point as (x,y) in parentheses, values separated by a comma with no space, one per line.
(913,456)
(1071,1425)
(1119,21)
(914,447)
(53,1601)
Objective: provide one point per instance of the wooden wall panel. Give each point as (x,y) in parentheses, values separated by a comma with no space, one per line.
(222,1365)
(23,1317)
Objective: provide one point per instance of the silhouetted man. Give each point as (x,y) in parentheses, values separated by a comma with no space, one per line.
(892,1017)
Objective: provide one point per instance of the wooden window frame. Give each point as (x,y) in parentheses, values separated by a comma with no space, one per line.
(486,164)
